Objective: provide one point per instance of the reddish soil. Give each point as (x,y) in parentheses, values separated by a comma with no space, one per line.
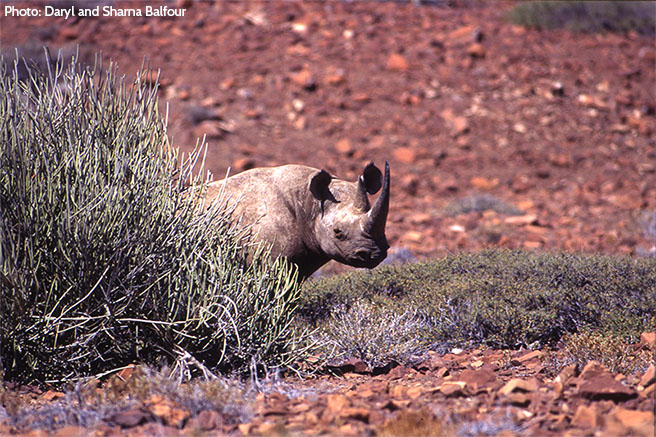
(461,103)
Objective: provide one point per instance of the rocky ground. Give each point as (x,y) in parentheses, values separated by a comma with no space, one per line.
(477,392)
(497,136)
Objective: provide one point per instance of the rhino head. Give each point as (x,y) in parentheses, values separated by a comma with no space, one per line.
(347,228)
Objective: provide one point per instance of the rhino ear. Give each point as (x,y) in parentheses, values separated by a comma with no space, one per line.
(372,178)
(319,183)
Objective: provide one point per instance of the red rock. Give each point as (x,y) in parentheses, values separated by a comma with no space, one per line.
(458,124)
(482,183)
(517,384)
(464,35)
(209,129)
(478,381)
(155,429)
(593,369)
(405,155)
(585,417)
(70,431)
(361,414)
(242,164)
(167,410)
(648,393)
(521,220)
(648,377)
(605,387)
(639,422)
(344,147)
(335,402)
(304,78)
(398,372)
(335,76)
(397,62)
(356,365)
(361,98)
(129,418)
(206,420)
(648,339)
(517,399)
(51,395)
(476,50)
(452,388)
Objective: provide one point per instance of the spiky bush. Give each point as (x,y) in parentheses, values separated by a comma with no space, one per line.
(108,254)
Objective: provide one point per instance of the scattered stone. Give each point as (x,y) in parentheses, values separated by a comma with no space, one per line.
(593,369)
(453,388)
(206,420)
(344,147)
(648,339)
(648,377)
(482,183)
(605,387)
(464,35)
(356,365)
(639,422)
(51,395)
(517,384)
(242,164)
(336,402)
(585,417)
(530,356)
(397,62)
(476,50)
(521,220)
(405,155)
(167,410)
(129,418)
(335,76)
(478,381)
(305,79)
(209,129)
(361,414)
(520,128)
(458,124)
(517,399)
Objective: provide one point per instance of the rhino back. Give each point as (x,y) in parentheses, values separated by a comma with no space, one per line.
(270,200)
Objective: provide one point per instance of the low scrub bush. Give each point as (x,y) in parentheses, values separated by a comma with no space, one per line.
(611,351)
(374,334)
(480,203)
(587,16)
(86,406)
(108,254)
(505,299)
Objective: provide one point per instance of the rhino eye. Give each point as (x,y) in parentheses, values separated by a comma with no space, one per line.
(339,234)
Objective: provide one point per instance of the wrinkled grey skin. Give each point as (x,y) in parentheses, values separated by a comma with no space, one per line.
(310,217)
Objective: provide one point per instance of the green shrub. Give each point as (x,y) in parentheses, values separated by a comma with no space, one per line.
(108,254)
(499,298)
(586,16)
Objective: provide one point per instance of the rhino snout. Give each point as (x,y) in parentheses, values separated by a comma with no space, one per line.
(371,258)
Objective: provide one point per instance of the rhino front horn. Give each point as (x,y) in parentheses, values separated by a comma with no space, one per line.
(378,213)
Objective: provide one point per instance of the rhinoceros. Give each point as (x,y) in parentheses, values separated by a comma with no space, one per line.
(310,217)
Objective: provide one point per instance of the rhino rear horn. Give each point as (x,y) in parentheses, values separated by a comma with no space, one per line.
(378,213)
